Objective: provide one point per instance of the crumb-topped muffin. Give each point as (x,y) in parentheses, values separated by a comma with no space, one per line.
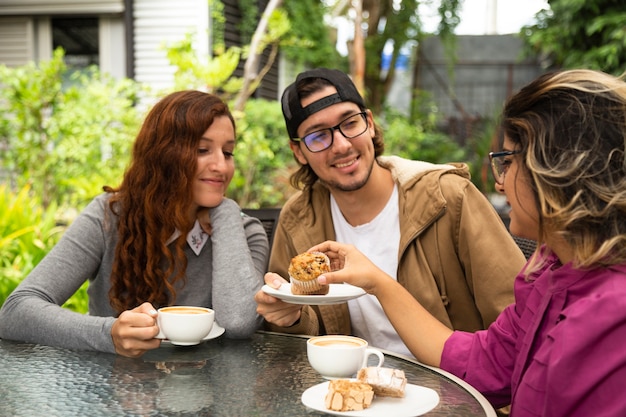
(304,270)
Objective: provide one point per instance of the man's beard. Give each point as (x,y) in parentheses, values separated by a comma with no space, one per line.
(333,185)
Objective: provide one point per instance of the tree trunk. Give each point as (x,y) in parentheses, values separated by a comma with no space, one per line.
(251,75)
(358,64)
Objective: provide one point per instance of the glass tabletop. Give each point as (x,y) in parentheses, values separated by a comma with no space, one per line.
(261,376)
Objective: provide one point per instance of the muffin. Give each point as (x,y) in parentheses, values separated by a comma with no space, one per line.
(304,270)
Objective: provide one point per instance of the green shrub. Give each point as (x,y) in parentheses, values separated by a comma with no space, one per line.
(263,159)
(62,139)
(28,232)
(418,139)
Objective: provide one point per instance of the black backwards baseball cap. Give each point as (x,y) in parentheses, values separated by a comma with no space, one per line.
(293,111)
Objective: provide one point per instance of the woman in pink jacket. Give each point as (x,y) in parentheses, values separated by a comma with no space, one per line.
(560,350)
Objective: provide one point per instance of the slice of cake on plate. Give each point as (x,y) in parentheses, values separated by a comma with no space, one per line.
(346,395)
(386,382)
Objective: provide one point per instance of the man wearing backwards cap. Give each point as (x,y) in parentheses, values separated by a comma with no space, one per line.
(425,225)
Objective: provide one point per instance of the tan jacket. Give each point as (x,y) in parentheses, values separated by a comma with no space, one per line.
(456,257)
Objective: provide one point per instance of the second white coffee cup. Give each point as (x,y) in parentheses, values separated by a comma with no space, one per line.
(337,356)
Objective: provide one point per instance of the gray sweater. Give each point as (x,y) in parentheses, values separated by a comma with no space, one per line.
(224,276)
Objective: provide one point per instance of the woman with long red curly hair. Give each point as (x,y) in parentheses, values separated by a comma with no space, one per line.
(165,236)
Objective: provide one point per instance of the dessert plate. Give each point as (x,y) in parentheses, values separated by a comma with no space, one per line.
(216,331)
(417,401)
(338,293)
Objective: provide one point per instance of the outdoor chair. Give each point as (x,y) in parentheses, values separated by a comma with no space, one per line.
(269,218)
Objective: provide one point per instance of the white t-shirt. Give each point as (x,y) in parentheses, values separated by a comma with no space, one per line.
(379,240)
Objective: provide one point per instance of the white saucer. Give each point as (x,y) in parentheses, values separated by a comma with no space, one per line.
(417,401)
(216,331)
(338,293)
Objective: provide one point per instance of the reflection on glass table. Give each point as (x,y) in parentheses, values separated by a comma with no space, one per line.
(262,376)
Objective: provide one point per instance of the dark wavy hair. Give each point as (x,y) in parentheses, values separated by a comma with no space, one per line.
(571,129)
(155,199)
(305,177)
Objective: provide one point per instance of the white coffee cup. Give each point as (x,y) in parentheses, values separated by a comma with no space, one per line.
(185,325)
(337,356)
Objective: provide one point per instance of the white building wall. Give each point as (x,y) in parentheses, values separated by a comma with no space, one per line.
(26,31)
(160,23)
(17,46)
(65,7)
(112,53)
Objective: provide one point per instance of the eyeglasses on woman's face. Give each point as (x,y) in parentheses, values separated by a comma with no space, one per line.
(500,163)
(350,127)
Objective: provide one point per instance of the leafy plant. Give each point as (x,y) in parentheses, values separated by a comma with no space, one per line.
(309,41)
(263,159)
(418,139)
(27,233)
(212,74)
(580,34)
(56,136)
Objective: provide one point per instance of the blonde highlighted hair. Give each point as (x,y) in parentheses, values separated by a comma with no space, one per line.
(571,129)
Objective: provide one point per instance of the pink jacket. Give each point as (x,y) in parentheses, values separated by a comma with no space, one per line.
(560,350)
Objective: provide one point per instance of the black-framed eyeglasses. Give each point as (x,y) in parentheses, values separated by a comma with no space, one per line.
(350,127)
(500,164)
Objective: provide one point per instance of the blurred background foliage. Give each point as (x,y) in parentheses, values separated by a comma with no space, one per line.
(61,138)
(64,135)
(61,142)
(580,34)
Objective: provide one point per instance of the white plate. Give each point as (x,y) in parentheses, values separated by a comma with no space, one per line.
(417,401)
(338,293)
(216,331)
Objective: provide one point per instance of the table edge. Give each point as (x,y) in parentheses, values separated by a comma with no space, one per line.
(484,403)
